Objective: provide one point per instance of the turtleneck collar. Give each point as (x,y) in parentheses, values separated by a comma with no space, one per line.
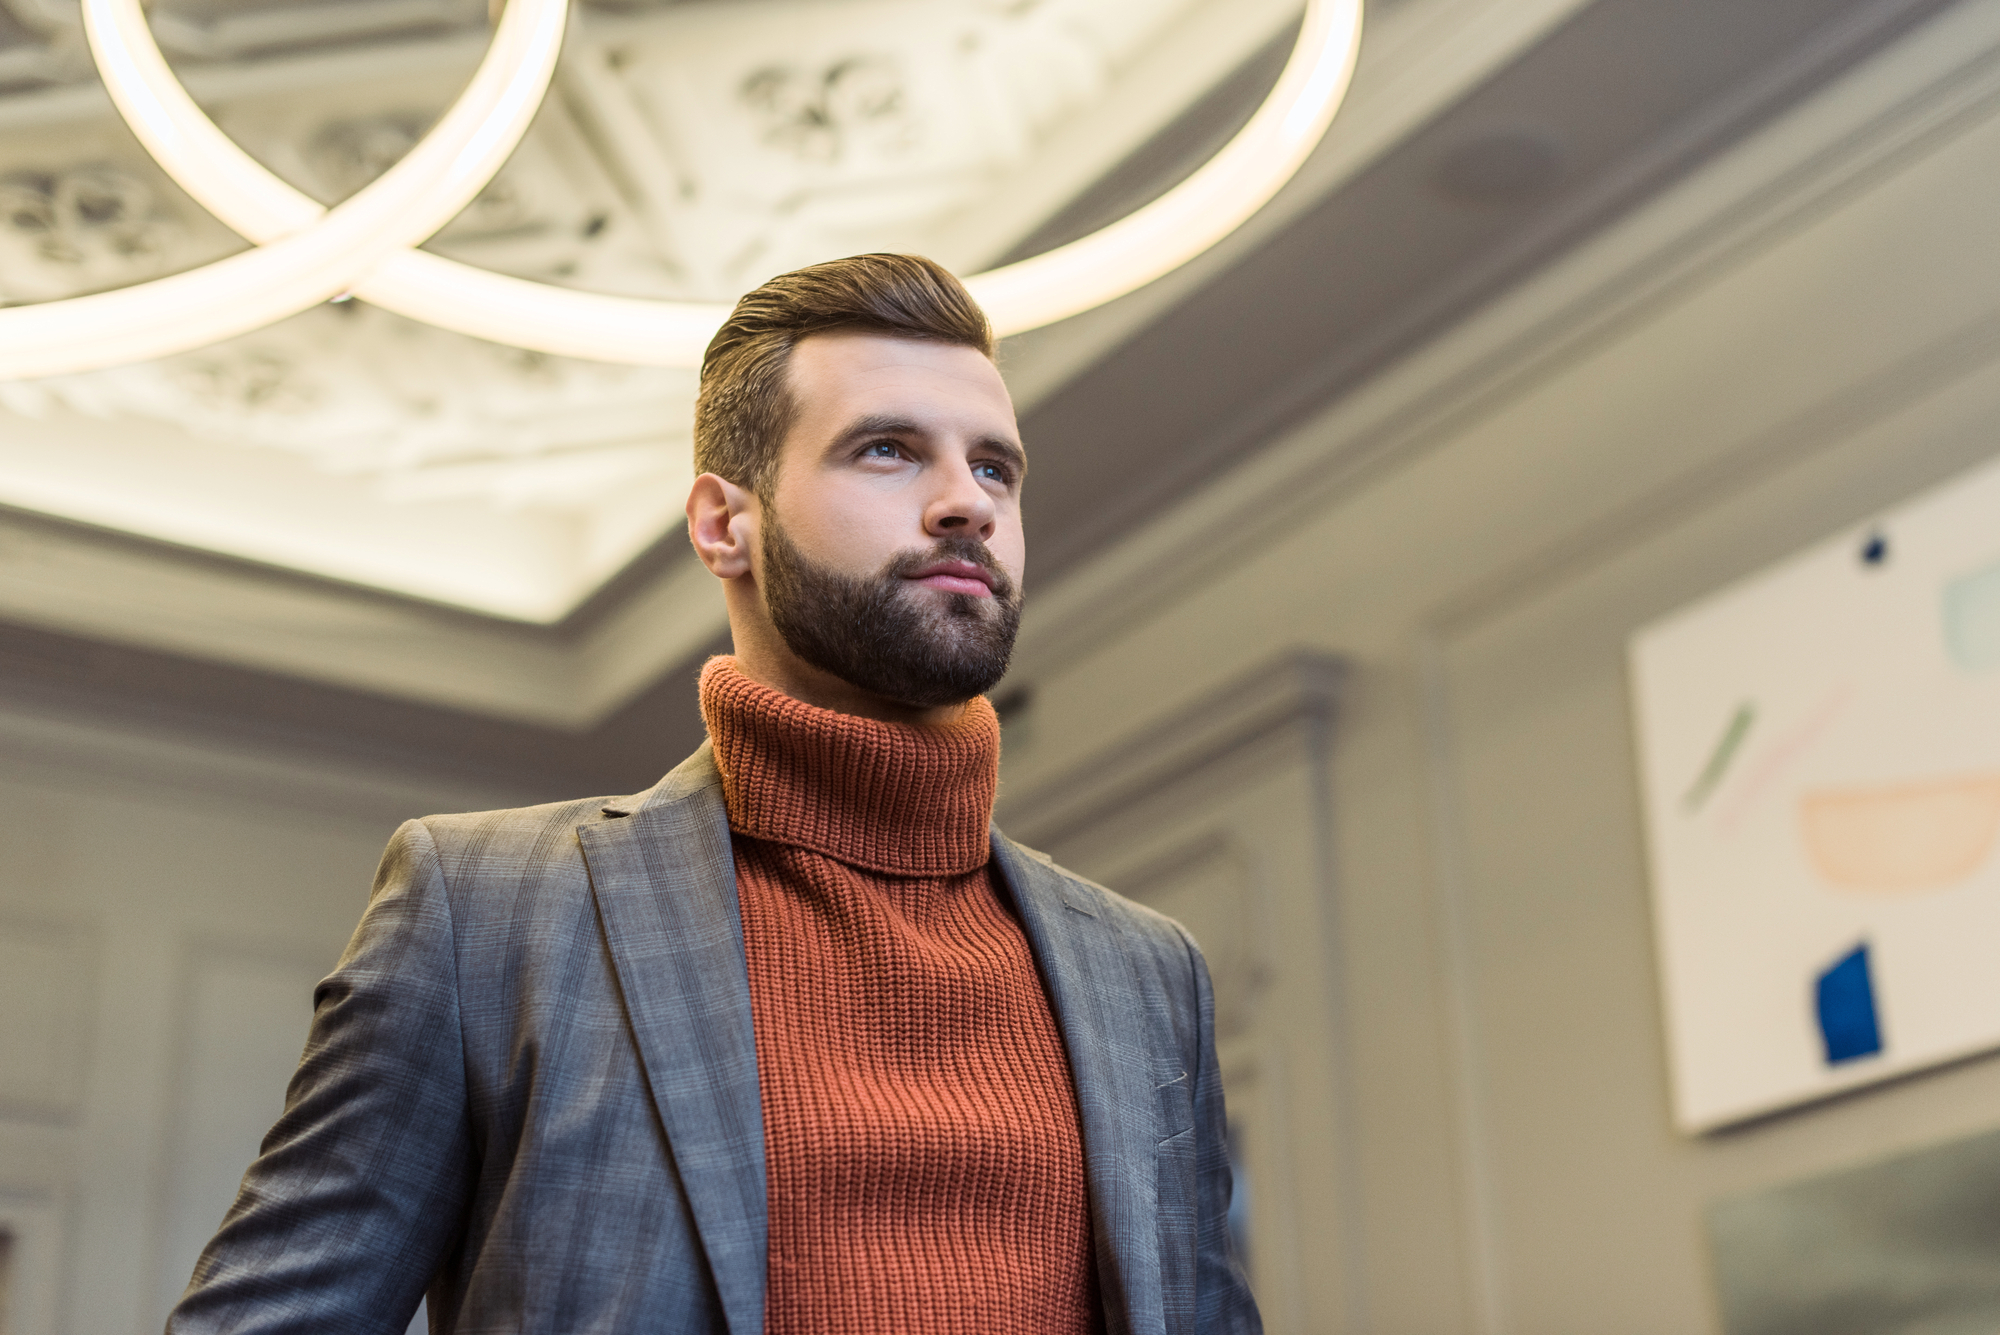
(887,797)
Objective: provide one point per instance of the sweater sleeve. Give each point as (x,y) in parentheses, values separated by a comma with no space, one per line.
(361,1185)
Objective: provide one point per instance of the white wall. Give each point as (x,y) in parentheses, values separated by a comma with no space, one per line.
(165,909)
(1804,333)
(1218,817)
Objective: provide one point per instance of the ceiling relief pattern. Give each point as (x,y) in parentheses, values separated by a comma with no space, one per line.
(844,111)
(82,228)
(421,413)
(869,125)
(687,151)
(42,43)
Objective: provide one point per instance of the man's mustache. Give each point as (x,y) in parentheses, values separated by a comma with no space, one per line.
(969,549)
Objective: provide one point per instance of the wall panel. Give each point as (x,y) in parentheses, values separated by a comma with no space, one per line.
(166,905)
(1217,816)
(1804,333)
(47,992)
(243,1018)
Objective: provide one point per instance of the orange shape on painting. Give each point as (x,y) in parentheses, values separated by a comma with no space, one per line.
(1913,836)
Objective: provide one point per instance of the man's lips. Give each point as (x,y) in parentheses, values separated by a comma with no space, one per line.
(956,577)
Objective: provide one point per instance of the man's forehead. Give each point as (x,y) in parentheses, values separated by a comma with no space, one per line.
(924,385)
(860,359)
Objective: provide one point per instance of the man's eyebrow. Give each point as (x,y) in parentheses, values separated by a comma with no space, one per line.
(1008,450)
(877,424)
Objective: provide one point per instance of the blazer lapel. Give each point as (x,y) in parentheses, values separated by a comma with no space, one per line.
(665,883)
(1091,989)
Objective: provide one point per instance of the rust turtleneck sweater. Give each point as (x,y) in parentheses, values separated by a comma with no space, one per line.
(924,1166)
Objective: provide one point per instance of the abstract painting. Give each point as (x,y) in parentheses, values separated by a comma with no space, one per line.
(1819,753)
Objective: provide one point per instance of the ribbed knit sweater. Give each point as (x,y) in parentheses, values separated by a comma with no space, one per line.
(924,1164)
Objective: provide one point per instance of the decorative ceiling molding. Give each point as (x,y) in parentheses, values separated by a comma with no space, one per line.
(768,136)
(303,248)
(689,151)
(1424,54)
(60,578)
(1420,57)
(1843,127)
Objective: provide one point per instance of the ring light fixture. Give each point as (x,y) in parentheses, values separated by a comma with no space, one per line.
(312,262)
(305,253)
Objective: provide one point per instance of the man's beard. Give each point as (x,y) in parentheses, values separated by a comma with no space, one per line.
(881,634)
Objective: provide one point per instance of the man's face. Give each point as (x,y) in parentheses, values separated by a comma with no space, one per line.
(892,553)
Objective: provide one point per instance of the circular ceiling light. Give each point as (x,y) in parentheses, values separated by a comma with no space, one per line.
(318,257)
(307,253)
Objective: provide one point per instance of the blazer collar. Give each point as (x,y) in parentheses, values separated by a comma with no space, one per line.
(665,885)
(1091,985)
(681,783)
(664,879)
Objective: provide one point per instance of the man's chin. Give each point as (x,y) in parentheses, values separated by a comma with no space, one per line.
(891,636)
(947,607)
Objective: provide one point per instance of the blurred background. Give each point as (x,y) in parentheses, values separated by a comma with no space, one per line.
(1583,310)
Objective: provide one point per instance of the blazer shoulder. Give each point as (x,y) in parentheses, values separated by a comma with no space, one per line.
(509,830)
(535,852)
(535,834)
(1108,903)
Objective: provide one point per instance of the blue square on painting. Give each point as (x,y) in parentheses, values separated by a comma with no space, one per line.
(1847,1008)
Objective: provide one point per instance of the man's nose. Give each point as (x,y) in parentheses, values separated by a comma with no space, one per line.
(961,505)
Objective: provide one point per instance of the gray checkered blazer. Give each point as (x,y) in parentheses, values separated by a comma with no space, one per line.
(531,1086)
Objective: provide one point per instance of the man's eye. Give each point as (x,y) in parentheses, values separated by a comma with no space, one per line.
(998,472)
(883,449)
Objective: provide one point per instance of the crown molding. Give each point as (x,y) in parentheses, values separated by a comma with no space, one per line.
(1301,687)
(1938,81)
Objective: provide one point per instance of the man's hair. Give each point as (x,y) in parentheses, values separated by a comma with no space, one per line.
(746,405)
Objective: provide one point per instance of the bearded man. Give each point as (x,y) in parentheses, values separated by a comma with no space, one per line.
(794,1041)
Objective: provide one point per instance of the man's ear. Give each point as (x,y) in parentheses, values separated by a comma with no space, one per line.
(722,525)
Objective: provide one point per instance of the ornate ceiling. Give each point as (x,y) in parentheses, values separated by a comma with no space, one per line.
(385,535)
(690,150)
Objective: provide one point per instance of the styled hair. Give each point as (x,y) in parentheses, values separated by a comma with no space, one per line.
(746,407)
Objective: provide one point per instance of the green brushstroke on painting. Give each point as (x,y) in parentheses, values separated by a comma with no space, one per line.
(1725,751)
(1972,619)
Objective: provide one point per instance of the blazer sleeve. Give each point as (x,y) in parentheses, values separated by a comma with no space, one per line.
(1223,1303)
(362,1184)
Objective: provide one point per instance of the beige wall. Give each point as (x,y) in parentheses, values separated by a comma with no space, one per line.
(1803,334)
(165,909)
